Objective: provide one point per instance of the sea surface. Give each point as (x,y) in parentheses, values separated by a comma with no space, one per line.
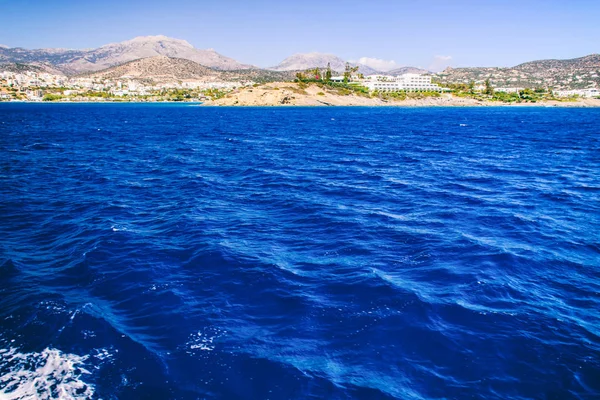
(185,252)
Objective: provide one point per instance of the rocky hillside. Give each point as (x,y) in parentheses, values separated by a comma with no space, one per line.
(577,73)
(162,69)
(80,61)
(304,61)
(158,69)
(53,57)
(22,68)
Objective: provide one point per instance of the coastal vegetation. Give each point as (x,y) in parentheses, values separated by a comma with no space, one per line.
(488,93)
(340,88)
(404,95)
(175,95)
(52,97)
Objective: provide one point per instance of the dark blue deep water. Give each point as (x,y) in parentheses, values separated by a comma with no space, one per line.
(179,252)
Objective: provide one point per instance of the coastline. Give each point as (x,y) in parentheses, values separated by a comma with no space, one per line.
(290,94)
(426,103)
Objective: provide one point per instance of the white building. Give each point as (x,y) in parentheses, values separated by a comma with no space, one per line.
(406,82)
(588,93)
(508,89)
(339,78)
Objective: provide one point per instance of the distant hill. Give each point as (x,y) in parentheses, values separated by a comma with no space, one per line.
(304,61)
(55,57)
(157,69)
(258,75)
(81,61)
(37,68)
(406,70)
(162,69)
(577,73)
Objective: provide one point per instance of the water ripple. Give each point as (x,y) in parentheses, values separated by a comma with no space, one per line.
(302,252)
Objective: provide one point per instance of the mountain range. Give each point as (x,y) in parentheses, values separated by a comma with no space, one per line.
(304,61)
(74,62)
(168,60)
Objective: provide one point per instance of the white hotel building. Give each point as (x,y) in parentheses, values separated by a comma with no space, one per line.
(406,82)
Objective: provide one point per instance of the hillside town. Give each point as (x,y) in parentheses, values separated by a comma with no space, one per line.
(40,86)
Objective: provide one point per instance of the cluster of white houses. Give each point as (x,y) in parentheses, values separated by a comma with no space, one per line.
(588,93)
(585,93)
(33,85)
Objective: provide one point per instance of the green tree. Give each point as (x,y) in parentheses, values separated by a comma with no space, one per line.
(489,89)
(317,73)
(328,73)
(347,73)
(51,97)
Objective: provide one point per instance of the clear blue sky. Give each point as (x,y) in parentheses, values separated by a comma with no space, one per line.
(263,32)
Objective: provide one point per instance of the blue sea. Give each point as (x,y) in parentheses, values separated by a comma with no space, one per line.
(191,252)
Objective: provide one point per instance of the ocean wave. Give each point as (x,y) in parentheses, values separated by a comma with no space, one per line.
(48,374)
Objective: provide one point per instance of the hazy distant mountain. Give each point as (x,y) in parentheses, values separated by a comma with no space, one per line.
(80,61)
(575,73)
(151,46)
(304,61)
(406,70)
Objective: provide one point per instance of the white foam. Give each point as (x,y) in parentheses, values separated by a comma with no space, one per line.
(118,228)
(204,340)
(50,374)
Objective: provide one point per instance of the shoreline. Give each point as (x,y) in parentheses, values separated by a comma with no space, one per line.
(403,105)
(287,95)
(291,94)
(398,104)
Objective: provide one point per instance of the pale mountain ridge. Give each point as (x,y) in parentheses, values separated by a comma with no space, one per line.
(304,61)
(80,61)
(406,70)
(150,46)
